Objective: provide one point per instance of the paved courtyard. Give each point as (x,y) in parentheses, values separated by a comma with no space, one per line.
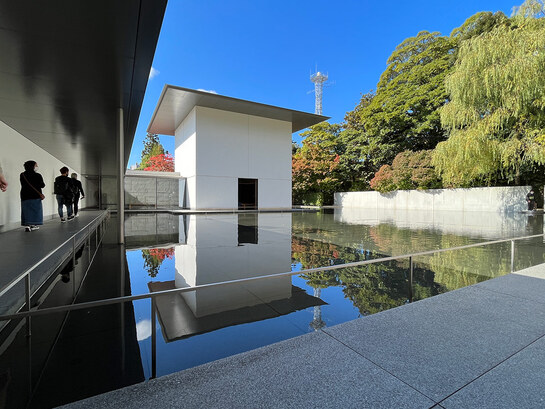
(477,347)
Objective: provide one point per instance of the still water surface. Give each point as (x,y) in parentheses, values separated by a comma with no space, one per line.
(208,324)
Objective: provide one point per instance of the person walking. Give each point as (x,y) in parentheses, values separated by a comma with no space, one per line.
(77,188)
(64,194)
(3,181)
(531,200)
(31,197)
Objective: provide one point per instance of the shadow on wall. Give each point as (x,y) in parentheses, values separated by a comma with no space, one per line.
(496,199)
(513,200)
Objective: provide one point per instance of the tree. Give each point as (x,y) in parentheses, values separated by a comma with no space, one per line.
(160,163)
(152,147)
(153,258)
(409,170)
(496,113)
(314,165)
(403,113)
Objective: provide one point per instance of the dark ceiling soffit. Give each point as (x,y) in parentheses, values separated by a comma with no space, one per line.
(144,52)
(309,119)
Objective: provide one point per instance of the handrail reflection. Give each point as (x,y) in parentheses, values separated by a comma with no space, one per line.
(117,300)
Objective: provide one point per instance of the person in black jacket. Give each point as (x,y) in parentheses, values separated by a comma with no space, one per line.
(77,188)
(531,200)
(31,197)
(3,181)
(64,194)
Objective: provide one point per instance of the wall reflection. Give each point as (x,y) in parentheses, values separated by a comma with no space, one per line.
(223,248)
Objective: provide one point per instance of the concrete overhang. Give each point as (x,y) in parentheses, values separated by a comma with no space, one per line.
(176,103)
(68,66)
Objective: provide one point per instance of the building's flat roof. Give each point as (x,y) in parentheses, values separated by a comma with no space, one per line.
(176,103)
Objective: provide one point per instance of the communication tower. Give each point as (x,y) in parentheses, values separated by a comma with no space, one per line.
(318,78)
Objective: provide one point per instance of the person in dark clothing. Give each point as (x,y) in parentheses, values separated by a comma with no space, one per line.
(64,194)
(531,200)
(31,197)
(3,181)
(78,188)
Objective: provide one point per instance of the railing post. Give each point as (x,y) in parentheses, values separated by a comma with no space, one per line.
(74,251)
(89,245)
(411,279)
(153,339)
(512,255)
(74,265)
(27,299)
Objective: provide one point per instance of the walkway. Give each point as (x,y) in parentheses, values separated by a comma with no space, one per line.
(478,347)
(20,250)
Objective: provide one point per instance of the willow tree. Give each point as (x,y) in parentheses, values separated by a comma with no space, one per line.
(496,110)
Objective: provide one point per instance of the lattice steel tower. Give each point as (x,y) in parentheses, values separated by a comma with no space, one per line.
(318,79)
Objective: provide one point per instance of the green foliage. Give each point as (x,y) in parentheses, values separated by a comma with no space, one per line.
(314,165)
(403,114)
(152,148)
(496,113)
(409,170)
(476,98)
(479,23)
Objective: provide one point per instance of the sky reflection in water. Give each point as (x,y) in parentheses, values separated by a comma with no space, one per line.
(206,325)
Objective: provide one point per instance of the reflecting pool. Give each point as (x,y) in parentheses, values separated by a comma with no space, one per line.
(167,252)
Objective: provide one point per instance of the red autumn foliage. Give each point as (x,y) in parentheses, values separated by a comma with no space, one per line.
(409,170)
(162,254)
(161,163)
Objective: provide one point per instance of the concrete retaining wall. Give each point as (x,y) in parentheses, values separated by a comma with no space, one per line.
(483,199)
(153,189)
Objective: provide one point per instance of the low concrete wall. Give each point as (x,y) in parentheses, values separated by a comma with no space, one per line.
(482,199)
(153,189)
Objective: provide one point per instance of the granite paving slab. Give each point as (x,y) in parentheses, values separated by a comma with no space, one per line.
(535,271)
(312,370)
(518,285)
(440,344)
(516,383)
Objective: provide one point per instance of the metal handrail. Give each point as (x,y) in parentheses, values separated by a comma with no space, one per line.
(117,300)
(12,283)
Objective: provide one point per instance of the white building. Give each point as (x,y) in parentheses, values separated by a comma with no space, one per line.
(233,153)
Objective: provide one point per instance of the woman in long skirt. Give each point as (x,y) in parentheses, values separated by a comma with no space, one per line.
(31,197)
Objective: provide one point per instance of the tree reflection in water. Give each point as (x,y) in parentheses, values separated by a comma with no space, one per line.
(377,287)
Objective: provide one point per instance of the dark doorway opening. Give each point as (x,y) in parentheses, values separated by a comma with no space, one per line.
(247,228)
(247,193)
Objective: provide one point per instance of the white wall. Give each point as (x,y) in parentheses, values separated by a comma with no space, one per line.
(219,147)
(15,149)
(483,199)
(213,254)
(491,225)
(185,146)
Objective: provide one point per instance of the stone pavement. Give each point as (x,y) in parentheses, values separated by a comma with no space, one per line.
(477,347)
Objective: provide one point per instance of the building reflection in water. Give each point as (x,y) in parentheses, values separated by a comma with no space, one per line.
(229,247)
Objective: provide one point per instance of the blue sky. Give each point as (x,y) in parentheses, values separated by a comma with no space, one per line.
(265,50)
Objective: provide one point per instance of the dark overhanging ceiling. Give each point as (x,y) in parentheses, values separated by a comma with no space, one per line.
(67,66)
